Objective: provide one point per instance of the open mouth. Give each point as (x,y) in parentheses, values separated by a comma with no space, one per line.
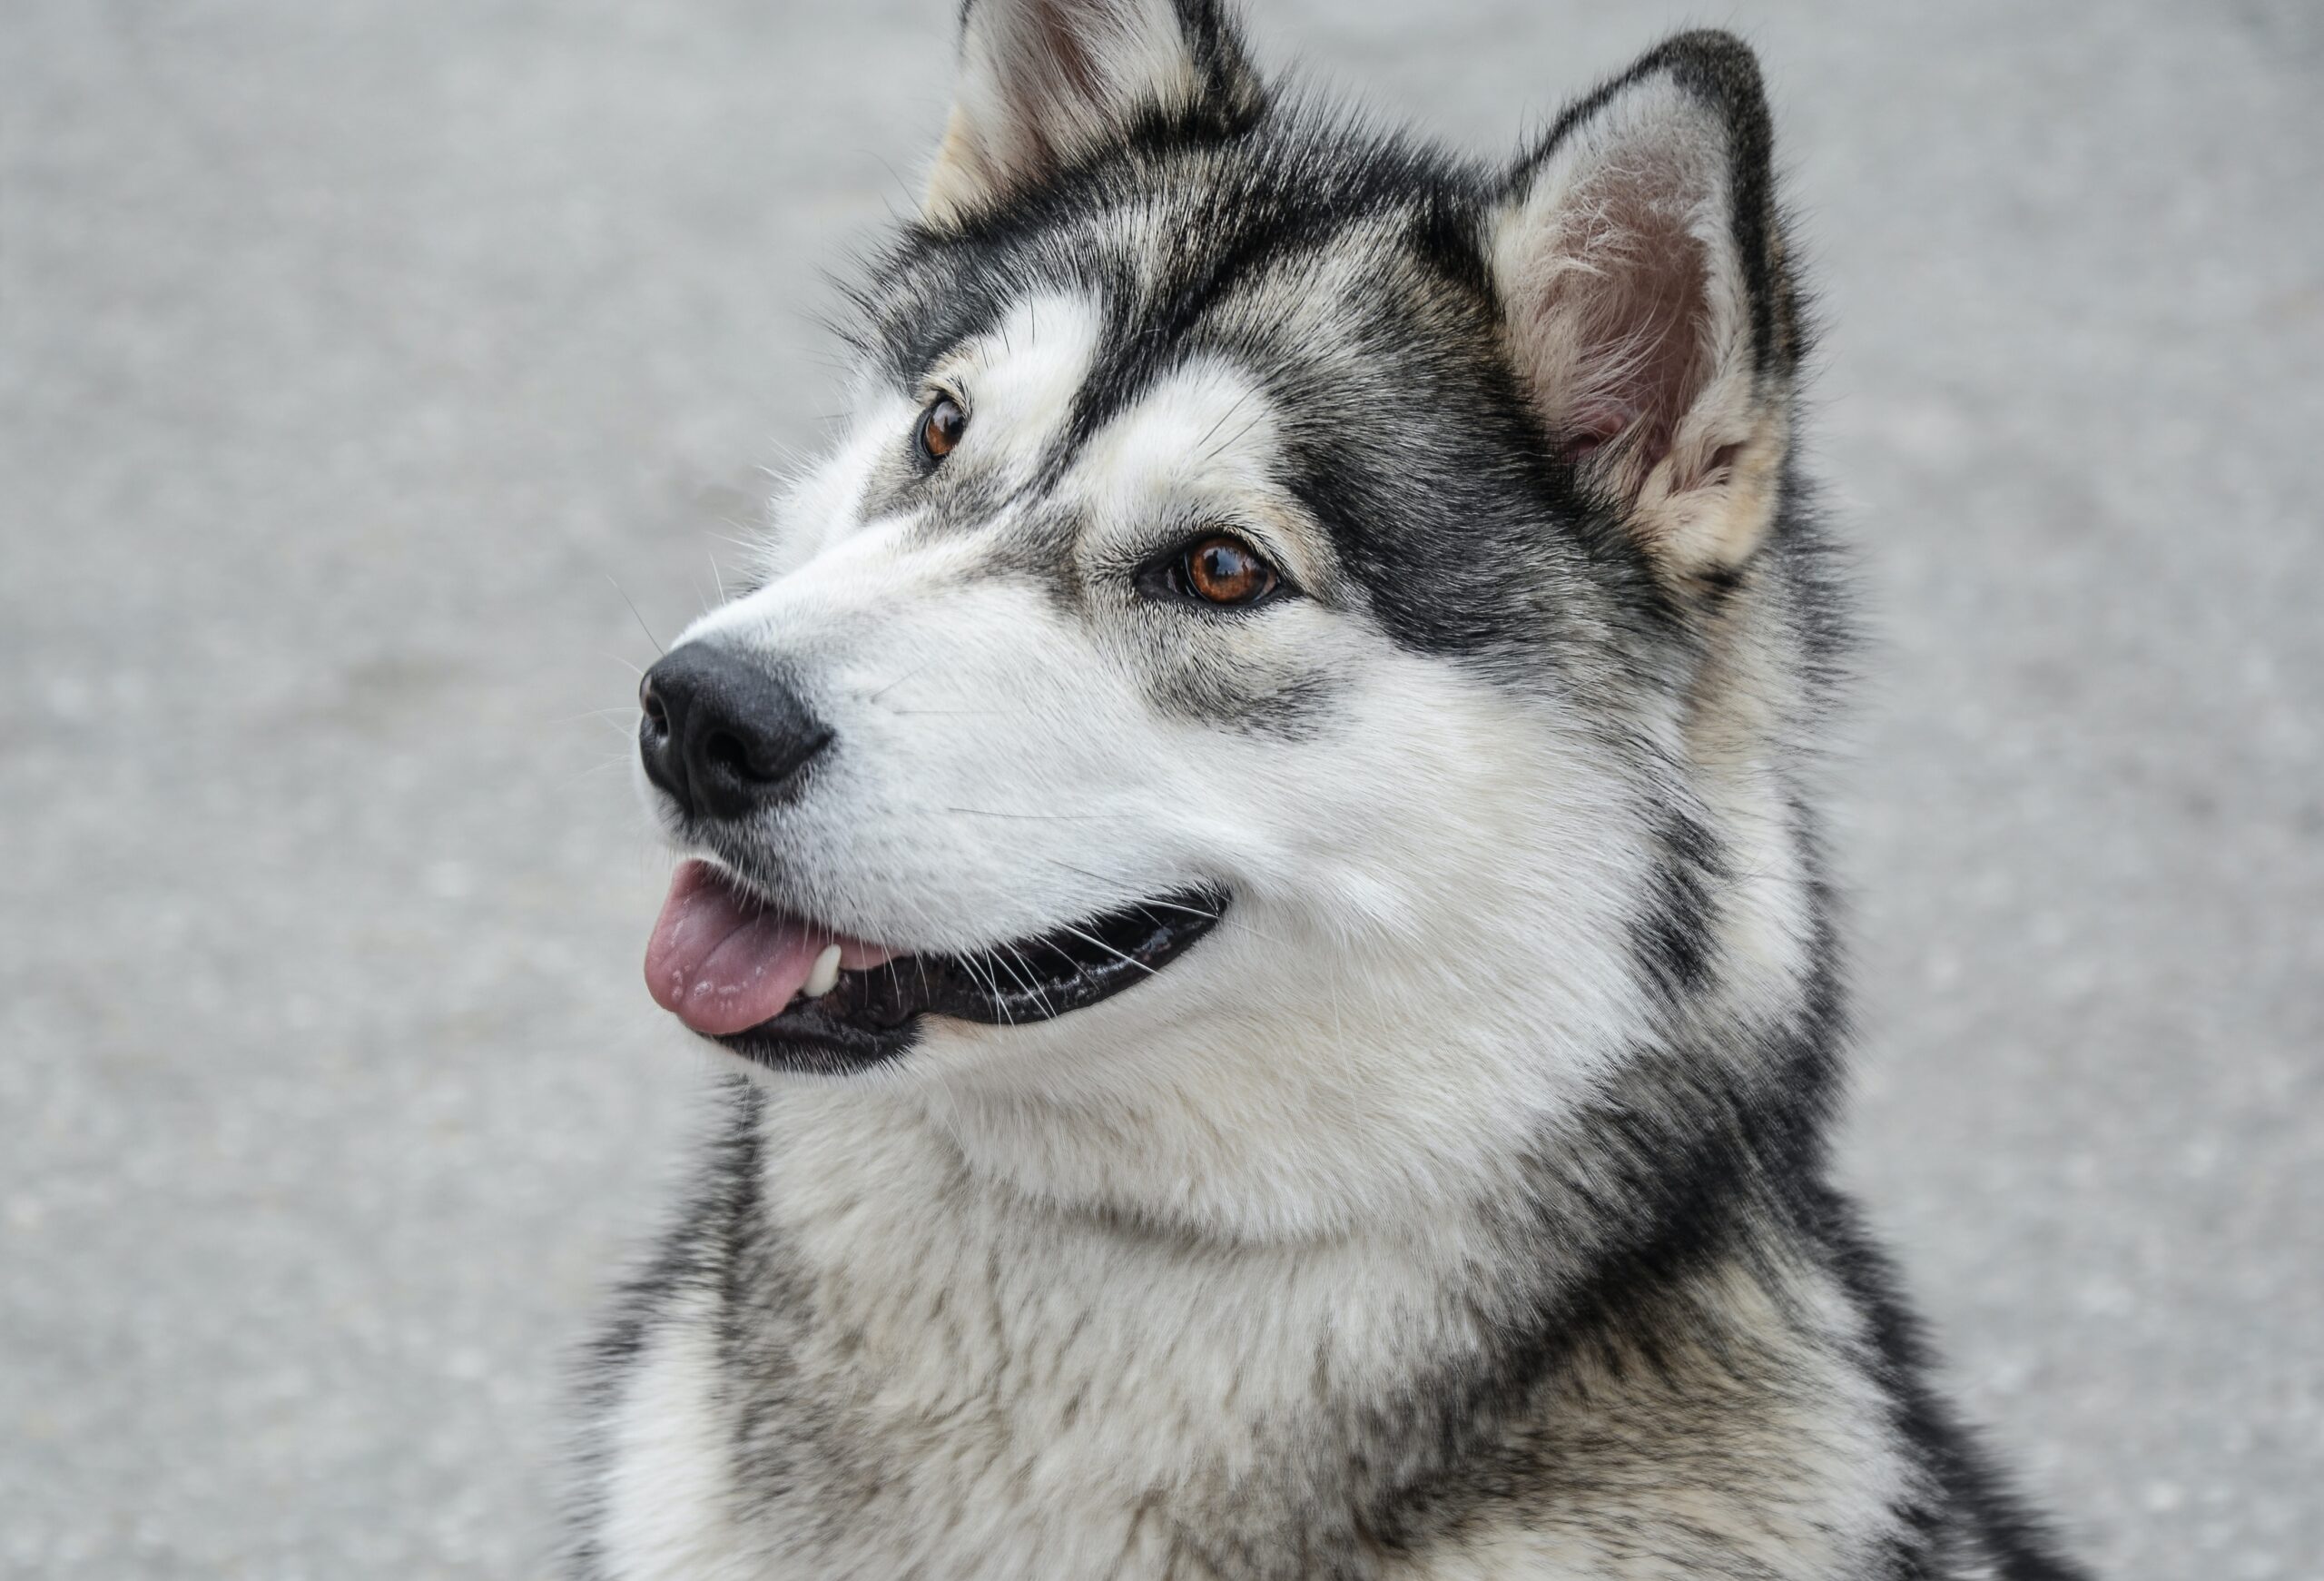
(791,994)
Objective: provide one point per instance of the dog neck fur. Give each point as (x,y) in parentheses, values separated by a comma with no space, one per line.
(1455,1208)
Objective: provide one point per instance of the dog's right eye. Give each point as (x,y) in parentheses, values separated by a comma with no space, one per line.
(1218,570)
(941,428)
(1224,569)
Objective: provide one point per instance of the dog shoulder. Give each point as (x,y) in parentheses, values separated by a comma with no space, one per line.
(654,1476)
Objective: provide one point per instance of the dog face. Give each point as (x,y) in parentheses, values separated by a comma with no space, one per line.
(1236,673)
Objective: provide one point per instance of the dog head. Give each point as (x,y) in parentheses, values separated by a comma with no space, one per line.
(1286,641)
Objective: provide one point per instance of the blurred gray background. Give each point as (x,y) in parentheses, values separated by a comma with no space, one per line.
(350,354)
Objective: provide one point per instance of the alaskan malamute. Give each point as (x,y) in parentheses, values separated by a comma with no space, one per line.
(1254,840)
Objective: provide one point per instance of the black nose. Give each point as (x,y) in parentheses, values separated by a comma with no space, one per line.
(721,734)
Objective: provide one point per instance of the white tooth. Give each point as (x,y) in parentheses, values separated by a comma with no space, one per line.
(825,976)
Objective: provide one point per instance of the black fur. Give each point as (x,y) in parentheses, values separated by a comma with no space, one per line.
(1458,524)
(1465,536)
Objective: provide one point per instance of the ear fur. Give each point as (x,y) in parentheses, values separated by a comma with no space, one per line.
(1647,304)
(1043,82)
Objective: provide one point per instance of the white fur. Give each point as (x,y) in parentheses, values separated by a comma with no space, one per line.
(1006,767)
(1083,1280)
(666,1512)
(1285,1096)
(1114,1365)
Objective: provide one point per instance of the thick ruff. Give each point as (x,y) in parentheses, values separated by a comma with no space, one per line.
(1253,846)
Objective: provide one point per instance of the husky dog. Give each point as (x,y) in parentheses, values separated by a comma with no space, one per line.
(1253,841)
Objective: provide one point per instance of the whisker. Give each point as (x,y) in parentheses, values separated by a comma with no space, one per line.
(1221,918)
(992,983)
(920,961)
(1192,910)
(1109,949)
(1212,455)
(1039,993)
(641,619)
(1224,417)
(893,685)
(1023,982)
(1039,817)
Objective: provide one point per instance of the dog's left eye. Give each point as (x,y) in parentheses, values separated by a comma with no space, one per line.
(941,428)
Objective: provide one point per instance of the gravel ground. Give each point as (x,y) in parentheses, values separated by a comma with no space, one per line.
(350,354)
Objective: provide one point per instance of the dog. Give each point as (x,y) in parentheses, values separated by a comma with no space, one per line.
(1253,839)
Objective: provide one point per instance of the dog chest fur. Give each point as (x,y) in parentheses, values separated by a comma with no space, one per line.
(1439,1189)
(903,1371)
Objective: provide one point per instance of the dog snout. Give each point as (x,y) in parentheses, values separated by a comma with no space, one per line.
(723,735)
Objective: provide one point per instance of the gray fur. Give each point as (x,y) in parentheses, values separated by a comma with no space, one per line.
(964,1314)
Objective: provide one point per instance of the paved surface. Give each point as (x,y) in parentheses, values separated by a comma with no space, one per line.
(349,354)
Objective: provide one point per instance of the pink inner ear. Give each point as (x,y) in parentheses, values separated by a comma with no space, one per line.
(1590,429)
(1045,55)
(1634,314)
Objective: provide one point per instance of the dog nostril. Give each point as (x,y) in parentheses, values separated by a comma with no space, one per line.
(727,753)
(722,735)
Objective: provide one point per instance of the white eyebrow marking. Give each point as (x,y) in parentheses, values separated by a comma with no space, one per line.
(1019,379)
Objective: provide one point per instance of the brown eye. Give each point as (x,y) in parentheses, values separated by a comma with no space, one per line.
(1226,570)
(941,428)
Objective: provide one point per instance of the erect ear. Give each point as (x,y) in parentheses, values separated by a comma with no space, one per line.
(1648,306)
(1043,82)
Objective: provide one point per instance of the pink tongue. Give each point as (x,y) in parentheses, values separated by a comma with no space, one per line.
(721,961)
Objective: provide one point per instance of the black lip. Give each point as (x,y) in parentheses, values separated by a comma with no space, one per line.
(875,1015)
